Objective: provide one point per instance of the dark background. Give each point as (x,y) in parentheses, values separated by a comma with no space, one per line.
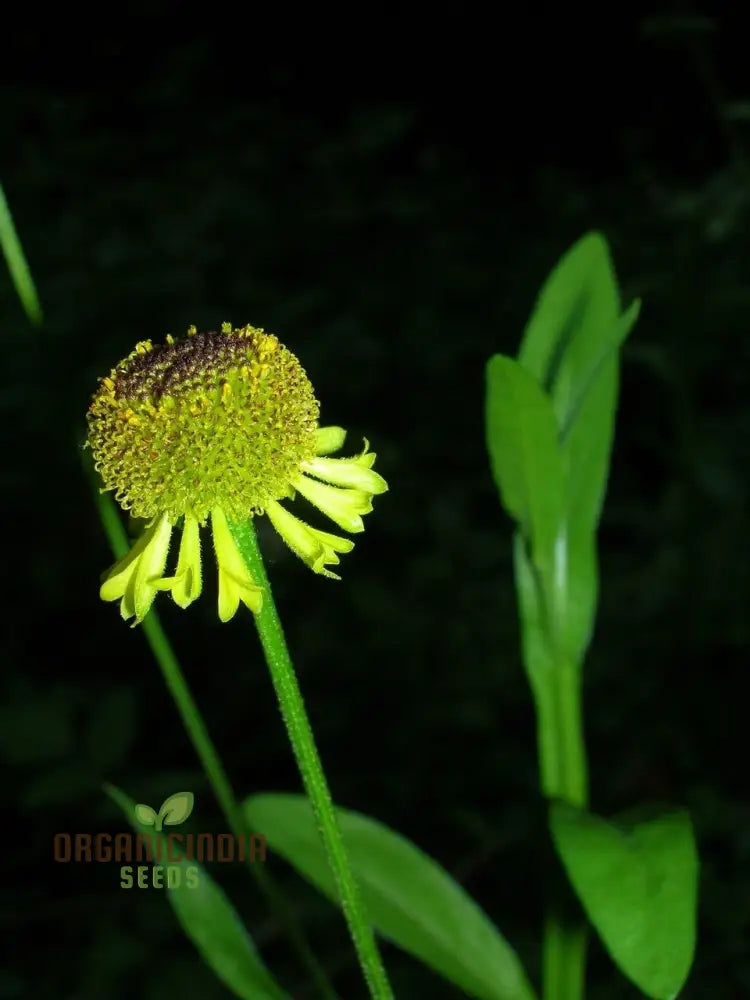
(393,243)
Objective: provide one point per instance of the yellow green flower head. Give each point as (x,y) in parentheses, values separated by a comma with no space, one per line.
(220,426)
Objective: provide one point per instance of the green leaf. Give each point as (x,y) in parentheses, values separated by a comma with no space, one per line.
(637,882)
(524,455)
(587,434)
(16,261)
(409,898)
(570,346)
(537,652)
(144,814)
(176,808)
(579,295)
(593,353)
(212,924)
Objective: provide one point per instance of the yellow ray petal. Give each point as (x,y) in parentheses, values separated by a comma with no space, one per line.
(235,582)
(133,578)
(187,583)
(352,472)
(329,439)
(343,506)
(317,549)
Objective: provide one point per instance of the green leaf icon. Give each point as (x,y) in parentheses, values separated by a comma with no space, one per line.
(145,814)
(175,809)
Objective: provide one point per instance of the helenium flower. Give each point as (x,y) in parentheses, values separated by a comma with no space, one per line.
(219,426)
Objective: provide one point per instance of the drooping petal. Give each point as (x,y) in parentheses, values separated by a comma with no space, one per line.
(343,506)
(235,582)
(187,582)
(317,549)
(133,578)
(355,472)
(329,439)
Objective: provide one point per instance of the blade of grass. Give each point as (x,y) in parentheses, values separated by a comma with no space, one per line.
(16,260)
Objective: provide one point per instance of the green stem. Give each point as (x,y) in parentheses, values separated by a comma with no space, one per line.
(209,758)
(303,744)
(563,955)
(562,759)
(562,751)
(556,685)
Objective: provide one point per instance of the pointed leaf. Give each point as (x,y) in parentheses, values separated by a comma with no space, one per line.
(571,346)
(176,808)
(524,455)
(588,430)
(212,924)
(580,294)
(144,814)
(410,899)
(592,351)
(539,663)
(638,885)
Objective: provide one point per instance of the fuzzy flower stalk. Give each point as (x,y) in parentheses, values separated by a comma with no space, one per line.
(216,428)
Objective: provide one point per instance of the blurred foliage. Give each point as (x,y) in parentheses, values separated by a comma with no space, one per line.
(393,245)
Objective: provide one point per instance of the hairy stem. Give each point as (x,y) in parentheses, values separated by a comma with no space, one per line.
(303,744)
